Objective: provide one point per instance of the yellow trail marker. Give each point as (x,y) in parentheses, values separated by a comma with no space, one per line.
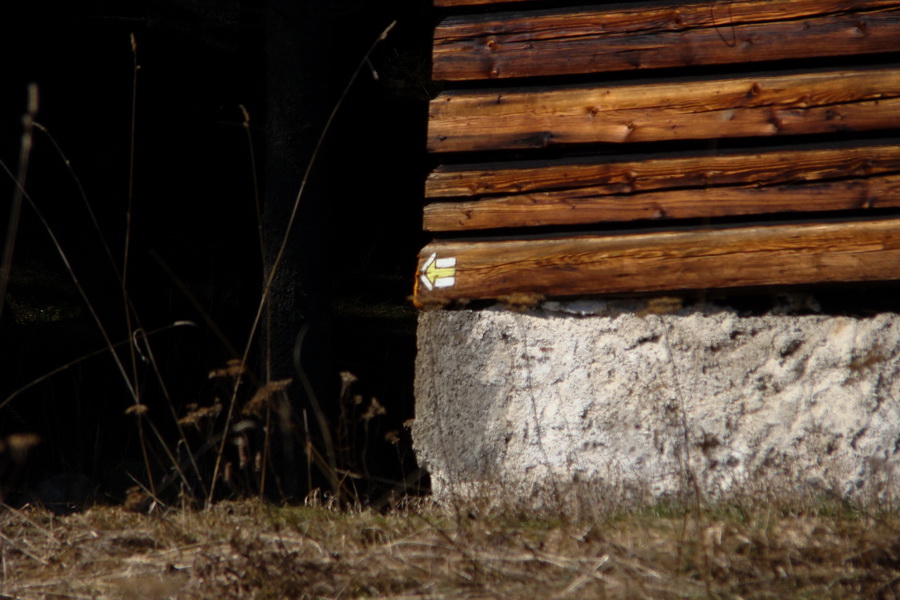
(438,272)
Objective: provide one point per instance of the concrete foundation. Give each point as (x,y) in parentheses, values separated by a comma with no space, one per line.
(595,395)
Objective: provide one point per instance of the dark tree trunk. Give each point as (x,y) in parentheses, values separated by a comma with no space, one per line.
(300,95)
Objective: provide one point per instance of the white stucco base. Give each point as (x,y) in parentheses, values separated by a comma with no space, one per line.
(597,395)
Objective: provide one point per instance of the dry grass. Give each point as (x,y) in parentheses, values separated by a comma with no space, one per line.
(254,550)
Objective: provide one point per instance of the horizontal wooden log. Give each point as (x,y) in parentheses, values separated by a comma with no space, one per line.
(645,262)
(626,177)
(560,208)
(567,42)
(561,193)
(807,103)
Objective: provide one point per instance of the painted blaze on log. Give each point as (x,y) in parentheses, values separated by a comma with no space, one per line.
(800,137)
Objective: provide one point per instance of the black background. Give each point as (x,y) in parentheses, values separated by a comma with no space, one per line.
(193,218)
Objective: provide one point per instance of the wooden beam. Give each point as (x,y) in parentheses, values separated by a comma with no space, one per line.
(664,188)
(737,257)
(806,103)
(594,40)
(554,208)
(626,177)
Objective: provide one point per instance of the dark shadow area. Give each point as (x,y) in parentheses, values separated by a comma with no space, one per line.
(193,246)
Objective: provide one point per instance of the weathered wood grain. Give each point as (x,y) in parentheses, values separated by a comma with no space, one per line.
(626,177)
(738,257)
(806,103)
(575,41)
(560,193)
(581,208)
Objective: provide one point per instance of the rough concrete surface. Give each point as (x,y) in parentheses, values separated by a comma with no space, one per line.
(599,394)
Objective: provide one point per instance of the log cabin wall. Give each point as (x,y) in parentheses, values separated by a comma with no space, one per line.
(649,146)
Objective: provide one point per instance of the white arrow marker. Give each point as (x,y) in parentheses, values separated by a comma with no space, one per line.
(438,272)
